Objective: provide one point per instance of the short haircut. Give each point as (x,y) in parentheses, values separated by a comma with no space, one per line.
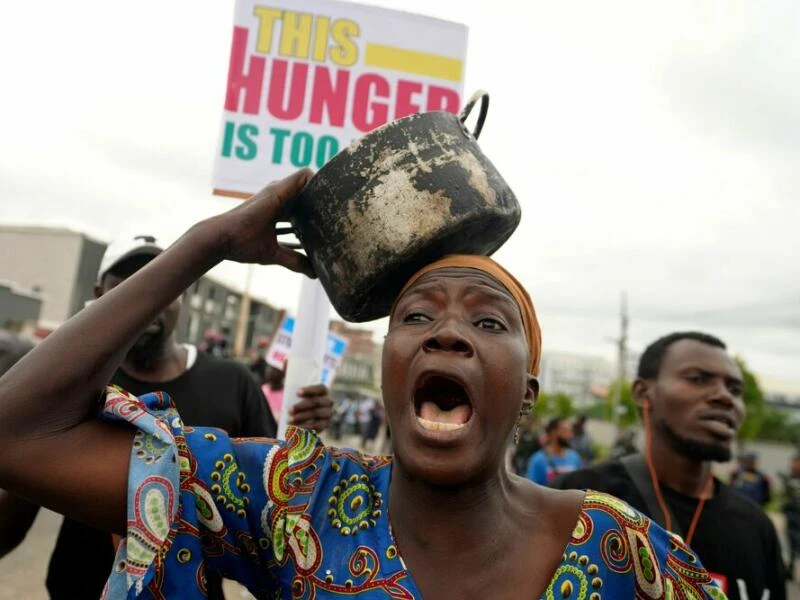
(553,424)
(653,356)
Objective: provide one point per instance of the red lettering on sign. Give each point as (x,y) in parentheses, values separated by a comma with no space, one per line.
(293,107)
(368,114)
(329,95)
(251,82)
(369,98)
(440,98)
(405,104)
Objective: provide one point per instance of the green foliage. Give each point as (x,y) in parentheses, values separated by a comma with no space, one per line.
(620,393)
(601,451)
(777,426)
(600,410)
(763,422)
(554,405)
(758,415)
(563,406)
(541,407)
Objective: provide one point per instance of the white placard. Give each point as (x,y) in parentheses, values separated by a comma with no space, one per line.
(306,77)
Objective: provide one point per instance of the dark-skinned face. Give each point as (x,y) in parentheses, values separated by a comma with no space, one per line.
(151,343)
(455,376)
(696,401)
(563,434)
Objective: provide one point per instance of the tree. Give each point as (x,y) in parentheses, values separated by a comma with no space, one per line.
(562,406)
(554,405)
(541,407)
(754,403)
(620,394)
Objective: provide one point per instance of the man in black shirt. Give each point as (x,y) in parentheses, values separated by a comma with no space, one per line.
(207,391)
(690,394)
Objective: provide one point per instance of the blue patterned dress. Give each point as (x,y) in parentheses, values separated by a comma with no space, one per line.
(299,520)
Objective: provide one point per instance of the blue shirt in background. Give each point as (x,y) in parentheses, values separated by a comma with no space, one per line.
(544,467)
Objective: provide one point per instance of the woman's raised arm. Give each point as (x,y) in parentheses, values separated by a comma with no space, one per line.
(53,451)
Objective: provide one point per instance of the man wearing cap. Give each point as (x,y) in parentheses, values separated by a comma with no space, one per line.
(207,391)
(689,391)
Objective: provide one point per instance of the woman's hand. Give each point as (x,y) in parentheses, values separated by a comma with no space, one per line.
(247,233)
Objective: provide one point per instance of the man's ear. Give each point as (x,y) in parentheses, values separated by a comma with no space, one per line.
(642,392)
(531,394)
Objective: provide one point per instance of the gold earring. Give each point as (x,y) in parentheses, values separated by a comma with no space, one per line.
(516,427)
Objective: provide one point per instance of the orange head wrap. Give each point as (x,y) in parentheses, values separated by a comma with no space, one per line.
(485,264)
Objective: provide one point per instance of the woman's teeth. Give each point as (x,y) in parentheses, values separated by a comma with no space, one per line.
(438,426)
(434,418)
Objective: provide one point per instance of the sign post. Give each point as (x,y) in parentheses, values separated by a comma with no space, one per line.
(308,345)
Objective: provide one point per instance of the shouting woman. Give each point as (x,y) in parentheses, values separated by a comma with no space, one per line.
(443,518)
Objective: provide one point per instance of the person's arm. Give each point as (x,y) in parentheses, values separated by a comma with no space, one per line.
(52,450)
(16,518)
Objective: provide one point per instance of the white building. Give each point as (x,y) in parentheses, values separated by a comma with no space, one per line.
(57,264)
(575,375)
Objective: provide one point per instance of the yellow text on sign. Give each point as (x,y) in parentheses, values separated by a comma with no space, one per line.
(411,61)
(304,35)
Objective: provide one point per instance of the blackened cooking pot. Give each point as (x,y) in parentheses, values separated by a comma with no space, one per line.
(397,199)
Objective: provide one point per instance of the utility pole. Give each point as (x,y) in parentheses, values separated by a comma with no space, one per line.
(244,316)
(622,358)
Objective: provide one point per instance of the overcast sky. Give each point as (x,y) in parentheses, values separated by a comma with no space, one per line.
(654,149)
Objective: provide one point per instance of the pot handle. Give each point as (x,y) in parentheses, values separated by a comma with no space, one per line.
(483,96)
(281,230)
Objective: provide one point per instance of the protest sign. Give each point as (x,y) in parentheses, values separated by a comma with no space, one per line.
(306,77)
(278,351)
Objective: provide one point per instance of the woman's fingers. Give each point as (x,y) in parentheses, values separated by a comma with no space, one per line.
(294,261)
(278,193)
(315,409)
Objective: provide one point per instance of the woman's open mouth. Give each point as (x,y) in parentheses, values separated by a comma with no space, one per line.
(441,404)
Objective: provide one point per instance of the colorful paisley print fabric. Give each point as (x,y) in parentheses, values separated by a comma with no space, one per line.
(298,520)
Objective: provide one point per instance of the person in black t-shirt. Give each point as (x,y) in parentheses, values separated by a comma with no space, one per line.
(207,391)
(690,393)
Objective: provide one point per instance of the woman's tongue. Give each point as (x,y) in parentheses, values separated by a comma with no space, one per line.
(455,416)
